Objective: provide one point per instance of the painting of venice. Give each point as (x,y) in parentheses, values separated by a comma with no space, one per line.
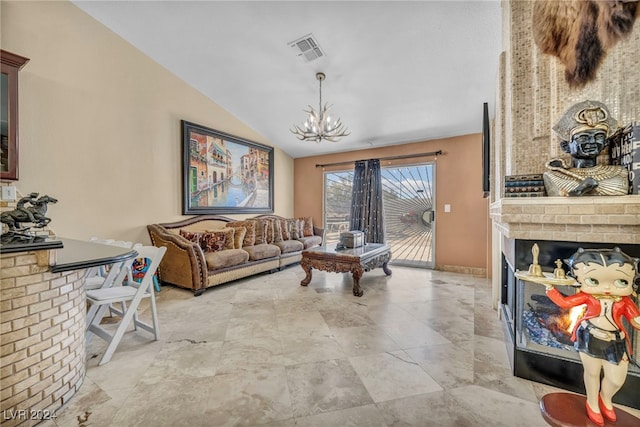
(224,174)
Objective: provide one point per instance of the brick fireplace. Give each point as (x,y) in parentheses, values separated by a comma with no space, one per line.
(575,219)
(559,226)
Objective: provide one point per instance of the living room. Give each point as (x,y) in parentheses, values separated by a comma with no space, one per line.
(101,121)
(125,112)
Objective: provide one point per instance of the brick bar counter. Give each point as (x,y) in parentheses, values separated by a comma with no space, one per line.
(42,324)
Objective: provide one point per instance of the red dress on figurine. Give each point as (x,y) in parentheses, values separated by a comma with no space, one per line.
(622,307)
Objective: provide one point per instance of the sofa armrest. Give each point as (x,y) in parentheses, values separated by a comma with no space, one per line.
(317,231)
(183,264)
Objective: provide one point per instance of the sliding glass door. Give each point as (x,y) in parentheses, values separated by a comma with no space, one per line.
(337,203)
(409,206)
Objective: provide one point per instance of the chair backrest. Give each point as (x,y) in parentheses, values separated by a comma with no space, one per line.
(124,274)
(153,255)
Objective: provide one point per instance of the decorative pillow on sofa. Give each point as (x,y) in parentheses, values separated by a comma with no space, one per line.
(294,228)
(307,226)
(213,241)
(250,226)
(229,237)
(276,228)
(191,236)
(285,229)
(238,237)
(262,231)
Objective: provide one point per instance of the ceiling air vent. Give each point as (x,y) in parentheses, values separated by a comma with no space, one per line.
(307,48)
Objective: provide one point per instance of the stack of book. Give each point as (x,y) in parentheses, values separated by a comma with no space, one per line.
(524,186)
(624,150)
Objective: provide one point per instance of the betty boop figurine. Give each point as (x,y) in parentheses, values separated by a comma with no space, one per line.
(606,278)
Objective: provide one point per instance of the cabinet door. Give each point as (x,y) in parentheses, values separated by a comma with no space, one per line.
(11,64)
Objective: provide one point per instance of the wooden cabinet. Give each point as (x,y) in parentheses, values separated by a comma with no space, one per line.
(11,64)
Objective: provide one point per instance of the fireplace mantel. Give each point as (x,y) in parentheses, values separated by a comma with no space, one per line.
(606,219)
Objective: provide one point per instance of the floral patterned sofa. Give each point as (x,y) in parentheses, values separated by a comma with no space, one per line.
(209,250)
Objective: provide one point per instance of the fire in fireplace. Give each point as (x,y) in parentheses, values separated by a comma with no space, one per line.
(547,324)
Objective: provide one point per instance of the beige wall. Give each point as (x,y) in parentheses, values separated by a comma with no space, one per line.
(461,235)
(100,125)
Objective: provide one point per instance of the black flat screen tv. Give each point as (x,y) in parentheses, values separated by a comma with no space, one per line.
(486,151)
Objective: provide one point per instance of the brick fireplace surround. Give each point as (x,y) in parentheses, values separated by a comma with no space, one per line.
(587,219)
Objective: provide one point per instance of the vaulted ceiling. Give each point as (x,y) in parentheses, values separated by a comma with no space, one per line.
(396,71)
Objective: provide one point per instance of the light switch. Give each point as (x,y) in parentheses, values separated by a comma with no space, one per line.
(8,192)
(447,208)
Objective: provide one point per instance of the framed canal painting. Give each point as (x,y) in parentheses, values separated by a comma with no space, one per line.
(224,174)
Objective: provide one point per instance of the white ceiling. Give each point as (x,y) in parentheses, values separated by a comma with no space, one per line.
(396,71)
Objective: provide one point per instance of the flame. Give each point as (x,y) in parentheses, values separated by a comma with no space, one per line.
(575,314)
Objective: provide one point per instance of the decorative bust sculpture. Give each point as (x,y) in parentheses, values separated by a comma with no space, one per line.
(585,129)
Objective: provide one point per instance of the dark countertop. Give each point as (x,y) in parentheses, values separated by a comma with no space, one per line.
(71,254)
(10,243)
(77,254)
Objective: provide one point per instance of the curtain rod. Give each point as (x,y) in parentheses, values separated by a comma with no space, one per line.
(407,156)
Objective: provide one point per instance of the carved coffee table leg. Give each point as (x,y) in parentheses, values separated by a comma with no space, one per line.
(357,274)
(307,269)
(386,269)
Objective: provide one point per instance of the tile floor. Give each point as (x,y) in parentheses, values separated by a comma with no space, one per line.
(420,348)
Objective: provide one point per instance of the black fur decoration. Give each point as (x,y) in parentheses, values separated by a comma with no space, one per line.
(579,32)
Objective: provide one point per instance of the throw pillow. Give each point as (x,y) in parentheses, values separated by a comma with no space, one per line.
(294,228)
(262,231)
(229,237)
(250,226)
(307,227)
(230,232)
(238,237)
(191,236)
(284,227)
(213,241)
(270,230)
(277,230)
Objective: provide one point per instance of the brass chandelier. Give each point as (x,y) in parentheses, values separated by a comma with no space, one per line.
(319,125)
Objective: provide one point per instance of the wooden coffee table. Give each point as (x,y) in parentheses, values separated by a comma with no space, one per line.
(355,261)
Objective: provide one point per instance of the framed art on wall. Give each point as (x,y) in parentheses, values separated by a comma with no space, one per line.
(224,174)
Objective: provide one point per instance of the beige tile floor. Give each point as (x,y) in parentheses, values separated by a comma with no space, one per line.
(420,348)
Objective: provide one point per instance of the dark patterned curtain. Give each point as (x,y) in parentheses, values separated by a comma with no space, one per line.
(358,197)
(366,201)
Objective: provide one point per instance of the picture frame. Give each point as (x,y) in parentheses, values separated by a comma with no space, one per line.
(224,174)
